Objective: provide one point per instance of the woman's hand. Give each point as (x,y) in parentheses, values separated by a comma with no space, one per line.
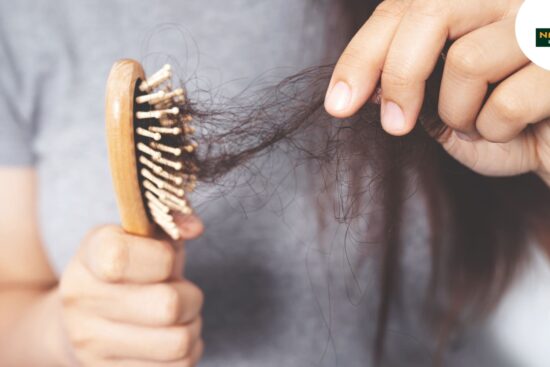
(507,133)
(124,303)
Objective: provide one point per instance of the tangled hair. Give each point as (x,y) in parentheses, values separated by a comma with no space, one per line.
(480,227)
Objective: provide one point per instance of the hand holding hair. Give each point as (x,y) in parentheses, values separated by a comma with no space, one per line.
(124,303)
(500,132)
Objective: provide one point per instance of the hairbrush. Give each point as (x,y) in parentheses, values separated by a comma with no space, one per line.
(152,154)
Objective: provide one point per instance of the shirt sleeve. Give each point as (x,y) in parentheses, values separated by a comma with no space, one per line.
(16,131)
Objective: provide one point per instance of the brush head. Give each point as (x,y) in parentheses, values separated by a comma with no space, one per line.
(151,150)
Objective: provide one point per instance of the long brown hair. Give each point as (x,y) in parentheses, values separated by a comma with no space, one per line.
(480,227)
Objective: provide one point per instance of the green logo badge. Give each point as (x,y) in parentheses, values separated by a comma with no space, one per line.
(543,37)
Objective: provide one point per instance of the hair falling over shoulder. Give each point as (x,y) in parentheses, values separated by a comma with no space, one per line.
(480,227)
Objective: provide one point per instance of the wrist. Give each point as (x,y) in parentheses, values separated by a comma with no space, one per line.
(56,343)
(38,338)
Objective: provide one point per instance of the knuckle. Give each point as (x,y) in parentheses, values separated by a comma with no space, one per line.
(465,57)
(390,9)
(429,8)
(111,253)
(181,343)
(80,340)
(65,290)
(102,232)
(199,296)
(70,285)
(507,106)
(169,304)
(66,295)
(353,58)
(394,76)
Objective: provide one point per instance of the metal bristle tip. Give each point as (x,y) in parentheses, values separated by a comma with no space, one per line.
(165,149)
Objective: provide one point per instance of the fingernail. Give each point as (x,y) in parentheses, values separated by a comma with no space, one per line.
(338,97)
(474,136)
(392,116)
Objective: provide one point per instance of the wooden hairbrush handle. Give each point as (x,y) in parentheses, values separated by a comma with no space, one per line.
(121,145)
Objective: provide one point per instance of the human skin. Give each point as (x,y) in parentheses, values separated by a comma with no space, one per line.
(91,319)
(120,302)
(506,134)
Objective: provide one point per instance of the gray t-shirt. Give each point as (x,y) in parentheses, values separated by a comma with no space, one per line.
(276,293)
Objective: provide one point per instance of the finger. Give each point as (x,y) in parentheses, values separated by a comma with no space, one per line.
(152,305)
(115,256)
(520,100)
(414,51)
(406,70)
(473,62)
(516,156)
(122,341)
(189,361)
(358,70)
(190,226)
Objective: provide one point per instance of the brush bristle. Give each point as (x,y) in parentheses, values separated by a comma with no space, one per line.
(164,148)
